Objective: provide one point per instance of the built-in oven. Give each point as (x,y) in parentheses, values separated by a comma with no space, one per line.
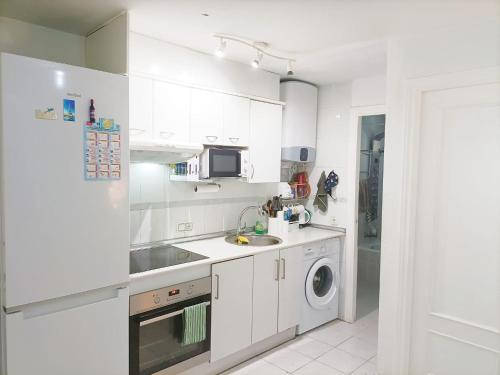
(157,326)
(223,162)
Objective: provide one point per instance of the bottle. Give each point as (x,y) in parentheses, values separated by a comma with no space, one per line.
(92,111)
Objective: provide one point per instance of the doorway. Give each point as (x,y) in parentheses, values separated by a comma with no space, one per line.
(370,180)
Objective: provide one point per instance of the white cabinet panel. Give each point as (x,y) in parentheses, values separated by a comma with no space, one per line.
(290,287)
(265,295)
(236,120)
(206,117)
(171,112)
(265,142)
(83,340)
(231,307)
(141,108)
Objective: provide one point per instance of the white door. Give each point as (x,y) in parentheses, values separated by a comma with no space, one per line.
(80,340)
(141,108)
(236,120)
(231,307)
(291,287)
(206,117)
(456,303)
(171,112)
(265,295)
(265,142)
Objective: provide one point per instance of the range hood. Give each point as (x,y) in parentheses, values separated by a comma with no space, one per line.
(161,152)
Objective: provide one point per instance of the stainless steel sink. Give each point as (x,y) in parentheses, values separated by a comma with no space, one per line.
(255,240)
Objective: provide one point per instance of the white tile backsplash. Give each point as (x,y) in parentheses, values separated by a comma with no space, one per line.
(159,205)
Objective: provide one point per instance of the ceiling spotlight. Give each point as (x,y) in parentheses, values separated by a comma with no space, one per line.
(289,68)
(219,52)
(256,62)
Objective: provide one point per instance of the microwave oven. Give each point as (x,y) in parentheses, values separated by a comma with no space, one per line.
(223,162)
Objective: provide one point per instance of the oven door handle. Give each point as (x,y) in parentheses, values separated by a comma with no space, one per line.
(166,316)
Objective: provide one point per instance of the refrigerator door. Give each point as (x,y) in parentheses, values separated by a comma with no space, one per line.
(63,235)
(81,340)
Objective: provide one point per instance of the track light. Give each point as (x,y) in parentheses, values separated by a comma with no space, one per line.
(289,68)
(256,62)
(219,52)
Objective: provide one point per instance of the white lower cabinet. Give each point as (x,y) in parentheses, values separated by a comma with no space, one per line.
(232,284)
(265,295)
(291,286)
(276,292)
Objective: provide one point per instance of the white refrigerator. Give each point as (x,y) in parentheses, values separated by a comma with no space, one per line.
(64,219)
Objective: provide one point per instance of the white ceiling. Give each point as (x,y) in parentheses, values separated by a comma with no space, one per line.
(332,40)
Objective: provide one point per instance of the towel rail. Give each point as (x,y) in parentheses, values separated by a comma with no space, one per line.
(166,316)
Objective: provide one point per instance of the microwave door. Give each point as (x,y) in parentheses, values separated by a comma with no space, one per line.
(225,163)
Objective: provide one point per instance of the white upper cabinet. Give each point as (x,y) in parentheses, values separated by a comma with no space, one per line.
(141,108)
(265,142)
(206,117)
(236,120)
(290,287)
(171,112)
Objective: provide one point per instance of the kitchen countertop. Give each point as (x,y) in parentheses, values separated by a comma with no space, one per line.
(218,250)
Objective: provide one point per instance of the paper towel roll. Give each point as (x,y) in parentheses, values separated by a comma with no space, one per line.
(209,188)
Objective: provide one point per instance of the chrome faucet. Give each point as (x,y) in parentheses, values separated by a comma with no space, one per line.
(238,227)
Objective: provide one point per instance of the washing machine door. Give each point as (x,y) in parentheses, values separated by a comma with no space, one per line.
(322,283)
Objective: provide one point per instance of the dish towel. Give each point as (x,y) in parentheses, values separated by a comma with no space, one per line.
(194,321)
(321,199)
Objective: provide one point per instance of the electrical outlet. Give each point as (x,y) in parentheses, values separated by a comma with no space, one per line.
(184,227)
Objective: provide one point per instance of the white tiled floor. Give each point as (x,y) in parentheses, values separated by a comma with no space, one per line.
(336,348)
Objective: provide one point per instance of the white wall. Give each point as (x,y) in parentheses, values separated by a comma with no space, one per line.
(419,56)
(162,59)
(334,107)
(107,48)
(31,40)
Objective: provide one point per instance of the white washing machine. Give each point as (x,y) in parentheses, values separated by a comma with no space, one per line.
(320,300)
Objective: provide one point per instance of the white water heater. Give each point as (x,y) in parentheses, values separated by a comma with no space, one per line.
(298,141)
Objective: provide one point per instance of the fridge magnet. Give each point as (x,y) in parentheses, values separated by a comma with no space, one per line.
(102,150)
(48,114)
(69,110)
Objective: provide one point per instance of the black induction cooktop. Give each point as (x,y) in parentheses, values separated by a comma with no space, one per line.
(159,257)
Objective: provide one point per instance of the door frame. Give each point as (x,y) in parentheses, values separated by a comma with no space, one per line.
(351,240)
(396,286)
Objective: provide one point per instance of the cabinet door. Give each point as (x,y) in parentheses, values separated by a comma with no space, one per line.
(265,142)
(77,340)
(291,286)
(171,112)
(236,120)
(206,117)
(265,295)
(231,307)
(141,108)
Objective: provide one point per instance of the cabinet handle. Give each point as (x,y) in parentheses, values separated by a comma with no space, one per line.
(166,135)
(217,287)
(277,269)
(211,138)
(136,131)
(253,170)
(284,264)
(234,139)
